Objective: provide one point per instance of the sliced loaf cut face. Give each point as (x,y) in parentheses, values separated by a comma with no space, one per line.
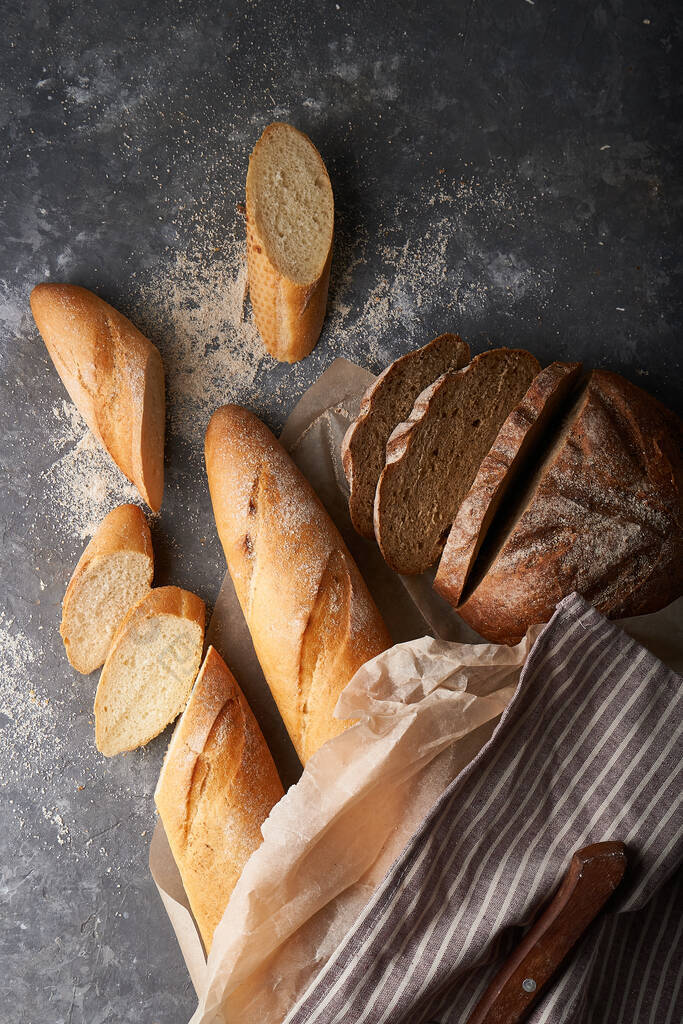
(433,457)
(385,404)
(112,574)
(522,435)
(602,515)
(150,669)
(290,225)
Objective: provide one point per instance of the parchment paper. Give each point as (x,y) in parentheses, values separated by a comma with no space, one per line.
(424,710)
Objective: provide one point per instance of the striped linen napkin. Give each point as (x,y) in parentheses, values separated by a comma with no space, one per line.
(588,750)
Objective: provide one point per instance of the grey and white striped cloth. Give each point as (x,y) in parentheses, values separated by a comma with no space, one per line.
(588,750)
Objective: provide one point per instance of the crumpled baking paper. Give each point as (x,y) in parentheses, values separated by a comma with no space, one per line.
(424,709)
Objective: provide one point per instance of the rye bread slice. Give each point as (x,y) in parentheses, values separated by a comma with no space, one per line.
(385,404)
(433,457)
(602,515)
(518,439)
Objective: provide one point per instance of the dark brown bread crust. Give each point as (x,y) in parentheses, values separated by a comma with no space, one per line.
(606,519)
(433,456)
(385,404)
(522,430)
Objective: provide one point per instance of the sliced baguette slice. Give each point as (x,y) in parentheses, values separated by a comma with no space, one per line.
(114,376)
(149,670)
(433,457)
(290,224)
(601,515)
(385,404)
(217,786)
(112,574)
(518,439)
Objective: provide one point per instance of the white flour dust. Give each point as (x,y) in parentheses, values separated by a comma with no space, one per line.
(84,482)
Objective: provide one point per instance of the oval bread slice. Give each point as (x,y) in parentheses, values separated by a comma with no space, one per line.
(433,457)
(112,574)
(149,670)
(290,224)
(384,405)
(216,788)
(518,439)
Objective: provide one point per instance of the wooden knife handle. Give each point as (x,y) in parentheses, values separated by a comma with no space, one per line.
(593,875)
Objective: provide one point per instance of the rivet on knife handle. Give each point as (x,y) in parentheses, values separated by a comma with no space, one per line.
(593,875)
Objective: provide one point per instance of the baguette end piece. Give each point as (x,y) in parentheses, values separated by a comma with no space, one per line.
(114,375)
(290,227)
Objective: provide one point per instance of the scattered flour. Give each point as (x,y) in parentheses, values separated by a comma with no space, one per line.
(211,348)
(28,734)
(84,481)
(52,815)
(194,305)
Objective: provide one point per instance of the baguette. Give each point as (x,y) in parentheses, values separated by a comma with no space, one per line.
(290,224)
(112,574)
(150,669)
(114,376)
(310,614)
(217,786)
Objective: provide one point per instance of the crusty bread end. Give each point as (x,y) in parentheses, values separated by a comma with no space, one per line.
(290,225)
(112,574)
(114,375)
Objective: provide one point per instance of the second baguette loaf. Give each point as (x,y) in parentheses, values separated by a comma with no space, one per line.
(216,788)
(310,614)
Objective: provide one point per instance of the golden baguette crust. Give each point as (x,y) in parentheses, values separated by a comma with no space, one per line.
(124,529)
(289,315)
(310,614)
(161,601)
(114,376)
(216,788)
(524,428)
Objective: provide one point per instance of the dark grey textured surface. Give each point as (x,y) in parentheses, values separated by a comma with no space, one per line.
(507,169)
